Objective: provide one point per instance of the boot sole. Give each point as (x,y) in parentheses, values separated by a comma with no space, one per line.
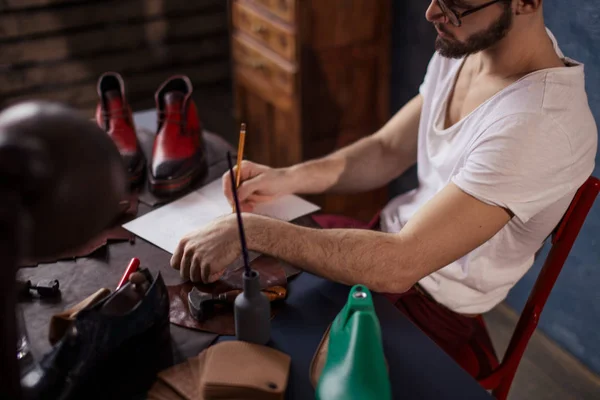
(171,187)
(136,175)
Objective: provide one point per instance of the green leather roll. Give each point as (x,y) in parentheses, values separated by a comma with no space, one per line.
(355,366)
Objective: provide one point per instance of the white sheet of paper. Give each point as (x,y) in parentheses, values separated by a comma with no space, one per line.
(165,226)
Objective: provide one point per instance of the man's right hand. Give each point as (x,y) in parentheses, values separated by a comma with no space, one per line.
(258,184)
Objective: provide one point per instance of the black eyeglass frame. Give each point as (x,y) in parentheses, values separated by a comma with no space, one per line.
(450,13)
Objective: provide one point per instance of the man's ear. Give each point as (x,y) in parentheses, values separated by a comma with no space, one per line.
(527,6)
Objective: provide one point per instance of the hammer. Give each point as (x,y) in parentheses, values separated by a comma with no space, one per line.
(202,305)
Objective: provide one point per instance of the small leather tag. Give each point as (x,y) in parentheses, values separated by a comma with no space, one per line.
(243,370)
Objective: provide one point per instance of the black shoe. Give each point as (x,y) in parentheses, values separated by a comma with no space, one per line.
(114,349)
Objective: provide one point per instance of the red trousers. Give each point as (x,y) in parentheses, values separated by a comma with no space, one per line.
(464,338)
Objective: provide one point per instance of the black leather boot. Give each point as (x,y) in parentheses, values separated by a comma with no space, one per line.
(114,349)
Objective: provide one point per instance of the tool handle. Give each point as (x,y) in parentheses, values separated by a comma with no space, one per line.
(133,266)
(228,297)
(273,293)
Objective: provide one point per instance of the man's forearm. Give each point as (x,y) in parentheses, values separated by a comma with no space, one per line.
(351,169)
(349,256)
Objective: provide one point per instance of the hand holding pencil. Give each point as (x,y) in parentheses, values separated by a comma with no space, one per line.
(255,183)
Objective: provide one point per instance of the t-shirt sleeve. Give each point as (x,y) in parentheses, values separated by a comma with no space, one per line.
(523,163)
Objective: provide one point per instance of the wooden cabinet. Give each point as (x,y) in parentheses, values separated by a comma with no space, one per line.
(311,76)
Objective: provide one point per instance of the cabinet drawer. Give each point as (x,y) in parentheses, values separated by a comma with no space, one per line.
(257,62)
(278,37)
(284,9)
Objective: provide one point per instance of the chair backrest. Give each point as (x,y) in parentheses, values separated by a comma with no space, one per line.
(563,238)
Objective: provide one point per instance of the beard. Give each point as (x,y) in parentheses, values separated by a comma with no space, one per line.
(452,48)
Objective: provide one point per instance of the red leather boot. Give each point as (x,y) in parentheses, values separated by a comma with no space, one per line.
(178,156)
(113,114)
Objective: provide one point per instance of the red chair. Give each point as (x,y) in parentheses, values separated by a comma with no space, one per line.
(563,237)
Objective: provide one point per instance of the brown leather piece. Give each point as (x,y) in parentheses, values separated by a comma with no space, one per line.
(162,391)
(272,273)
(227,370)
(182,379)
(115,233)
(319,359)
(242,370)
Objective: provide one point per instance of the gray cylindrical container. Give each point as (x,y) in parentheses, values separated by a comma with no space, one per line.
(252,312)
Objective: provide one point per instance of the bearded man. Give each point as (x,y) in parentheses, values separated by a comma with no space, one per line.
(503,137)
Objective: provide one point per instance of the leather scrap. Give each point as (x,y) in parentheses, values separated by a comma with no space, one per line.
(243,370)
(319,358)
(183,378)
(116,233)
(272,273)
(162,391)
(227,370)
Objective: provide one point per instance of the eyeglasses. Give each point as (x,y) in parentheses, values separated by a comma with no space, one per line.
(455,16)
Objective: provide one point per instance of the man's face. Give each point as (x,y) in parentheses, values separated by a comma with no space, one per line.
(478,32)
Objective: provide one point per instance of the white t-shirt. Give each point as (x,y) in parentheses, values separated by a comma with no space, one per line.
(528,149)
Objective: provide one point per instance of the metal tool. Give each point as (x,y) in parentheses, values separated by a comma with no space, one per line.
(133,266)
(202,305)
(45,289)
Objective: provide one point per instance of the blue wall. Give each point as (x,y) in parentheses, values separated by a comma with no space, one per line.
(572,314)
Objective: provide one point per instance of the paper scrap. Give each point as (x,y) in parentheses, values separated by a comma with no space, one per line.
(166,226)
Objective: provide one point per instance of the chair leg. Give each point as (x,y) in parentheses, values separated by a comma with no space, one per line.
(501,392)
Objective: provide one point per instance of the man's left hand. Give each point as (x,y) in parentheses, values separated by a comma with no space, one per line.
(203,255)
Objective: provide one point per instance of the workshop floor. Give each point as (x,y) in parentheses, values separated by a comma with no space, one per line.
(547,372)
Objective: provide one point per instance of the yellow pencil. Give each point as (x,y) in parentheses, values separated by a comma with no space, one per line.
(240,156)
